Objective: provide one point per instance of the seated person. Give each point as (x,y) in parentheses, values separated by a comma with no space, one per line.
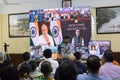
(9,73)
(80,66)
(93,65)
(108,69)
(70,57)
(7,62)
(66,71)
(24,71)
(34,73)
(46,69)
(26,58)
(47,53)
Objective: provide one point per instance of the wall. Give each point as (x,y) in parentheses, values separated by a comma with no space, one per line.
(96,3)
(114,38)
(44,4)
(19,45)
(0,33)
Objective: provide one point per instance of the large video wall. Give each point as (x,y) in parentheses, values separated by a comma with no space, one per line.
(49,26)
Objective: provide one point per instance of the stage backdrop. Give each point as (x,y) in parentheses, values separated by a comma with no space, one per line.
(60,22)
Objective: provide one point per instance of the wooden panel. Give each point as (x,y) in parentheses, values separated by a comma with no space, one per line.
(16,59)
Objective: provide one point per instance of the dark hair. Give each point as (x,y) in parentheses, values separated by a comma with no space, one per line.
(67,71)
(93,63)
(7,63)
(46,68)
(47,53)
(33,65)
(24,69)
(9,73)
(26,56)
(77,55)
(108,55)
(66,37)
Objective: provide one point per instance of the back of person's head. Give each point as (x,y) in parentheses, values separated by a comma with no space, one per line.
(7,63)
(33,65)
(46,68)
(77,55)
(67,71)
(26,56)
(70,57)
(108,56)
(9,73)
(93,63)
(47,53)
(24,69)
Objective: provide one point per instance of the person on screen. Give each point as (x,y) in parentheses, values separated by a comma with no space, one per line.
(45,39)
(77,40)
(65,47)
(93,50)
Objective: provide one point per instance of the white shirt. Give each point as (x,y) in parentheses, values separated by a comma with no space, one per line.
(109,70)
(53,62)
(42,42)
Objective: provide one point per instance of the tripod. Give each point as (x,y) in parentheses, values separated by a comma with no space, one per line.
(5,55)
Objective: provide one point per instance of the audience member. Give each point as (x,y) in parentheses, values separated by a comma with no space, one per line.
(108,69)
(47,53)
(66,71)
(24,72)
(9,73)
(81,68)
(7,63)
(46,69)
(26,58)
(93,65)
(70,57)
(34,73)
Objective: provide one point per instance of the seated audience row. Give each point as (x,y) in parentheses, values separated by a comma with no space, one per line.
(70,68)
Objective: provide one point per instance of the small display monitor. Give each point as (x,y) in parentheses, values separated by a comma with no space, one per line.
(36,52)
(98,47)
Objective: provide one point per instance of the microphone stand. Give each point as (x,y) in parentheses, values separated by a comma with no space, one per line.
(6,56)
